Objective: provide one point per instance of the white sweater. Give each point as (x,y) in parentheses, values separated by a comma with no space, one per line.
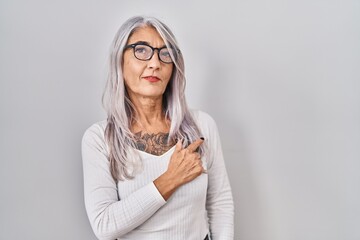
(134,209)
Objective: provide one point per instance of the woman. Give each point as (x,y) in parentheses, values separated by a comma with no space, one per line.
(154,169)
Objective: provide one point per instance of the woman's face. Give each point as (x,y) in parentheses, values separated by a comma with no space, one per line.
(146,78)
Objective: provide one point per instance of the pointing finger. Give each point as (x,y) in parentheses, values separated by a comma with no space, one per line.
(193,146)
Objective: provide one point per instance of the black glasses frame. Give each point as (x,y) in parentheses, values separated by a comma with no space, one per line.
(153,51)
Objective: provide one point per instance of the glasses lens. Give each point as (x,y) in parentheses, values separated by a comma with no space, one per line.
(143,52)
(165,55)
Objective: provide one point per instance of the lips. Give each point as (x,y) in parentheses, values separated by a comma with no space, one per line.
(152,78)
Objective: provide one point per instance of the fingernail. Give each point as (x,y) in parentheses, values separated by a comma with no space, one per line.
(202,138)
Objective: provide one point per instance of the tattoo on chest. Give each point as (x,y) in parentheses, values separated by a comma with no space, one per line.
(153,143)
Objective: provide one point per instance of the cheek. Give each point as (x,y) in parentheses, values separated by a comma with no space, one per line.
(169,72)
(125,67)
(131,70)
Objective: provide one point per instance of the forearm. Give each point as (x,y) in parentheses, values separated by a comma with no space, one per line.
(111,220)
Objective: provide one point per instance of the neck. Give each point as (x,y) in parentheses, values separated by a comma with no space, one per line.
(149,115)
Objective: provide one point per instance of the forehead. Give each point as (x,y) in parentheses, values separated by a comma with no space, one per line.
(146,34)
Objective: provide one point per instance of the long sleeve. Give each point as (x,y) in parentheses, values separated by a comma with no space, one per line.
(219,203)
(111,217)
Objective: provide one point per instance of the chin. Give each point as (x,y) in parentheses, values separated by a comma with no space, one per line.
(153,93)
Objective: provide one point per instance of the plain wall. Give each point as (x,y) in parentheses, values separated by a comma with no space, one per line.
(281,78)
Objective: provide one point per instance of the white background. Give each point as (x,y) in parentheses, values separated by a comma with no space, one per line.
(281,78)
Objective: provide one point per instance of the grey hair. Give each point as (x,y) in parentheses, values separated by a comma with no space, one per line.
(124,161)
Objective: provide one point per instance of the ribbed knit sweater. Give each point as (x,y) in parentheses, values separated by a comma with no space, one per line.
(134,209)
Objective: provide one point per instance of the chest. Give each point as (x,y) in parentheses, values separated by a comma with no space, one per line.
(152,168)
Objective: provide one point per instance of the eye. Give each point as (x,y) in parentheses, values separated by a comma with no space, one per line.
(141,49)
(165,52)
(165,55)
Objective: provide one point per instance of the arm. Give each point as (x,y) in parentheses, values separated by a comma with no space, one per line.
(109,216)
(219,201)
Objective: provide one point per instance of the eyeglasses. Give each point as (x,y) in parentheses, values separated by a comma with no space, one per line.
(145,52)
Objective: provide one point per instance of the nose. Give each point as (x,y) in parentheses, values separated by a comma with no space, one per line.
(154,61)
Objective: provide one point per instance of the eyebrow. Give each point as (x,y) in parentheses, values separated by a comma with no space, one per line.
(146,43)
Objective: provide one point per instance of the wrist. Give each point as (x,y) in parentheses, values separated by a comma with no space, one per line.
(166,185)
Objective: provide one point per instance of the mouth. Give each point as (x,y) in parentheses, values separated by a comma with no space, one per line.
(152,78)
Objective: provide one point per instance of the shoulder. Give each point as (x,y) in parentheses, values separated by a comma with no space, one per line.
(203,119)
(95,134)
(205,123)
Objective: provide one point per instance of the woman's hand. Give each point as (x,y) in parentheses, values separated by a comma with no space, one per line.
(184,166)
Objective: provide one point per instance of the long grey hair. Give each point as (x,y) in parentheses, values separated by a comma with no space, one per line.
(124,160)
